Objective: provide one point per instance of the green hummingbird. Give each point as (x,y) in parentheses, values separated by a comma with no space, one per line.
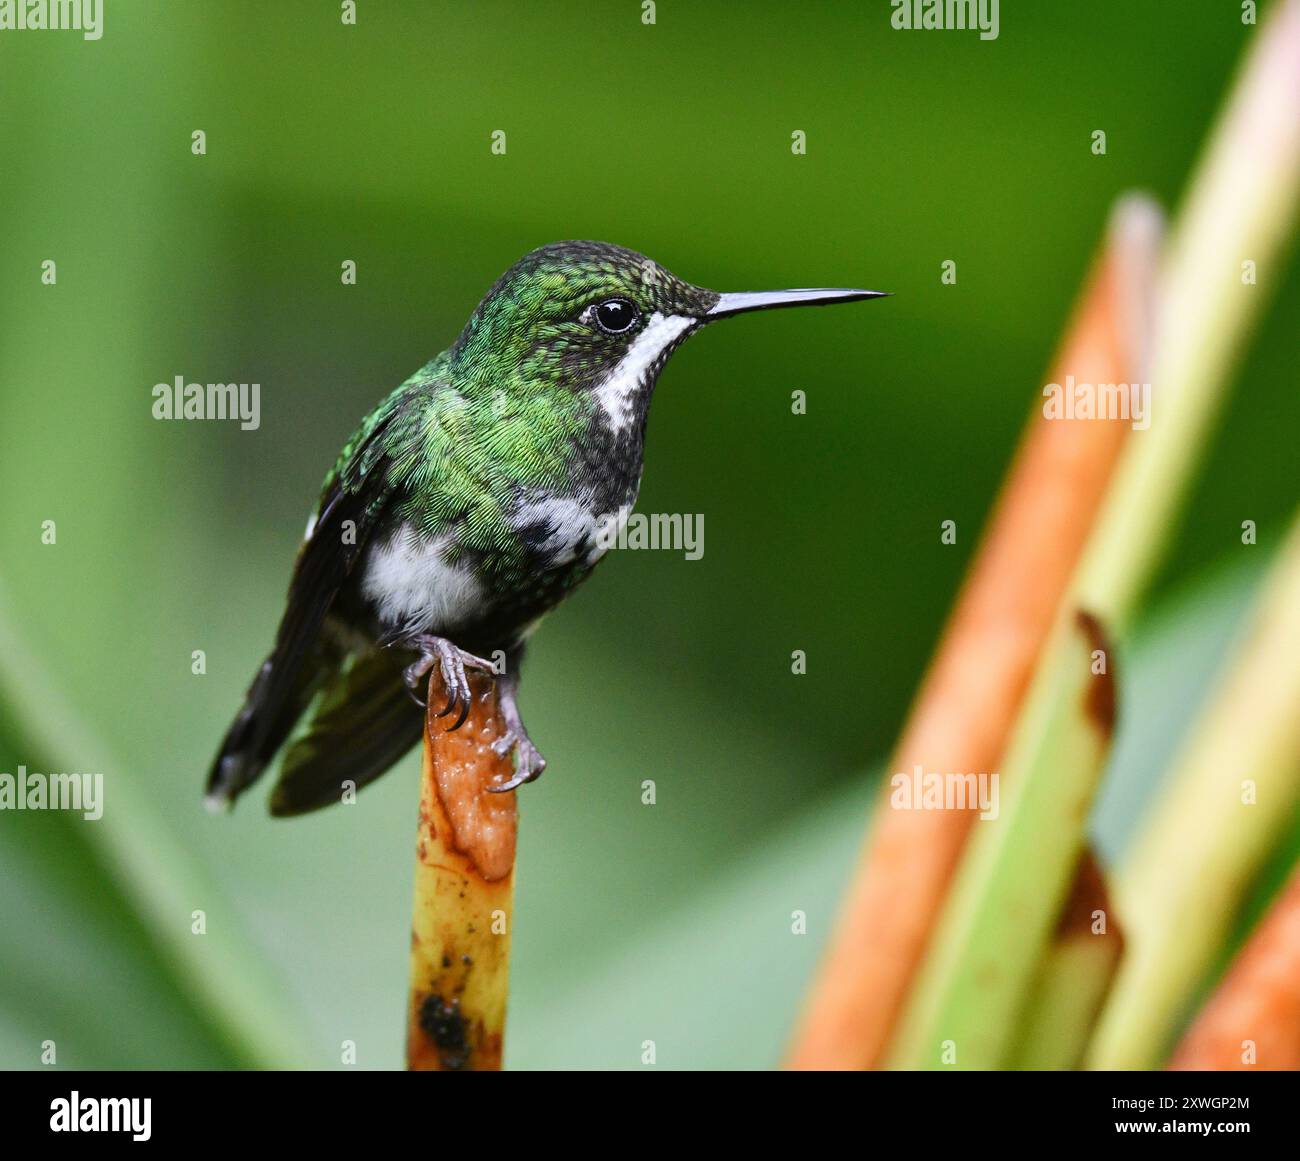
(468,504)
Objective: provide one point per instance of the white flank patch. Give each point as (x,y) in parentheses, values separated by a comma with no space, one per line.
(570,520)
(610,527)
(619,389)
(411,584)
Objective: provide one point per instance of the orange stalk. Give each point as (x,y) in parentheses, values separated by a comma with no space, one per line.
(464,890)
(1253,1019)
(973,691)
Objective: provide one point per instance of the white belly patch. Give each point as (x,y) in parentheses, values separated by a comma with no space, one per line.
(410,583)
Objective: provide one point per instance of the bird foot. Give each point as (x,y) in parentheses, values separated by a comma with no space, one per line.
(453,662)
(529,762)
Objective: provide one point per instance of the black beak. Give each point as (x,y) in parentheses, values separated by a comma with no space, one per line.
(729,304)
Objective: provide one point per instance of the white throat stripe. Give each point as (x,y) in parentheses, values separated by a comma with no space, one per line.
(620,387)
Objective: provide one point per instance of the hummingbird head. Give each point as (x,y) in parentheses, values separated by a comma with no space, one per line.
(593,319)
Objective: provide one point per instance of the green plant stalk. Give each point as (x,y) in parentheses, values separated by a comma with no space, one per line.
(1241,207)
(1073,980)
(971,985)
(1233,793)
(1059,1018)
(217,969)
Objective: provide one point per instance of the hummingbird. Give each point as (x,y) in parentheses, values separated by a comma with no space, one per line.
(465,507)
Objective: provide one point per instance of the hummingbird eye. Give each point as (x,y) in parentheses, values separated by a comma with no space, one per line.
(615,316)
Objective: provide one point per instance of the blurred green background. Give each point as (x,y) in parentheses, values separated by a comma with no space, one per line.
(324,143)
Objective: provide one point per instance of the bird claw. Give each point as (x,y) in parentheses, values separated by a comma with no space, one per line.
(453,662)
(529,762)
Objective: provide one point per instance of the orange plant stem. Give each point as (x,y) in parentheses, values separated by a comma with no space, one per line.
(970,697)
(464,889)
(1253,1019)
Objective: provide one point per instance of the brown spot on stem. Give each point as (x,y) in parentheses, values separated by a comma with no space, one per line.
(1088,895)
(442,1022)
(1100,701)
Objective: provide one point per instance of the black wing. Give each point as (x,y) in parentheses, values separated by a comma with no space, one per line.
(363,723)
(355,497)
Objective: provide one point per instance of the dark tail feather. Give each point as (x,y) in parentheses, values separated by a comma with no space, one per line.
(271,708)
(365,722)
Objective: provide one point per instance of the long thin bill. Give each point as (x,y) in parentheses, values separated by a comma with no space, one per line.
(729,304)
